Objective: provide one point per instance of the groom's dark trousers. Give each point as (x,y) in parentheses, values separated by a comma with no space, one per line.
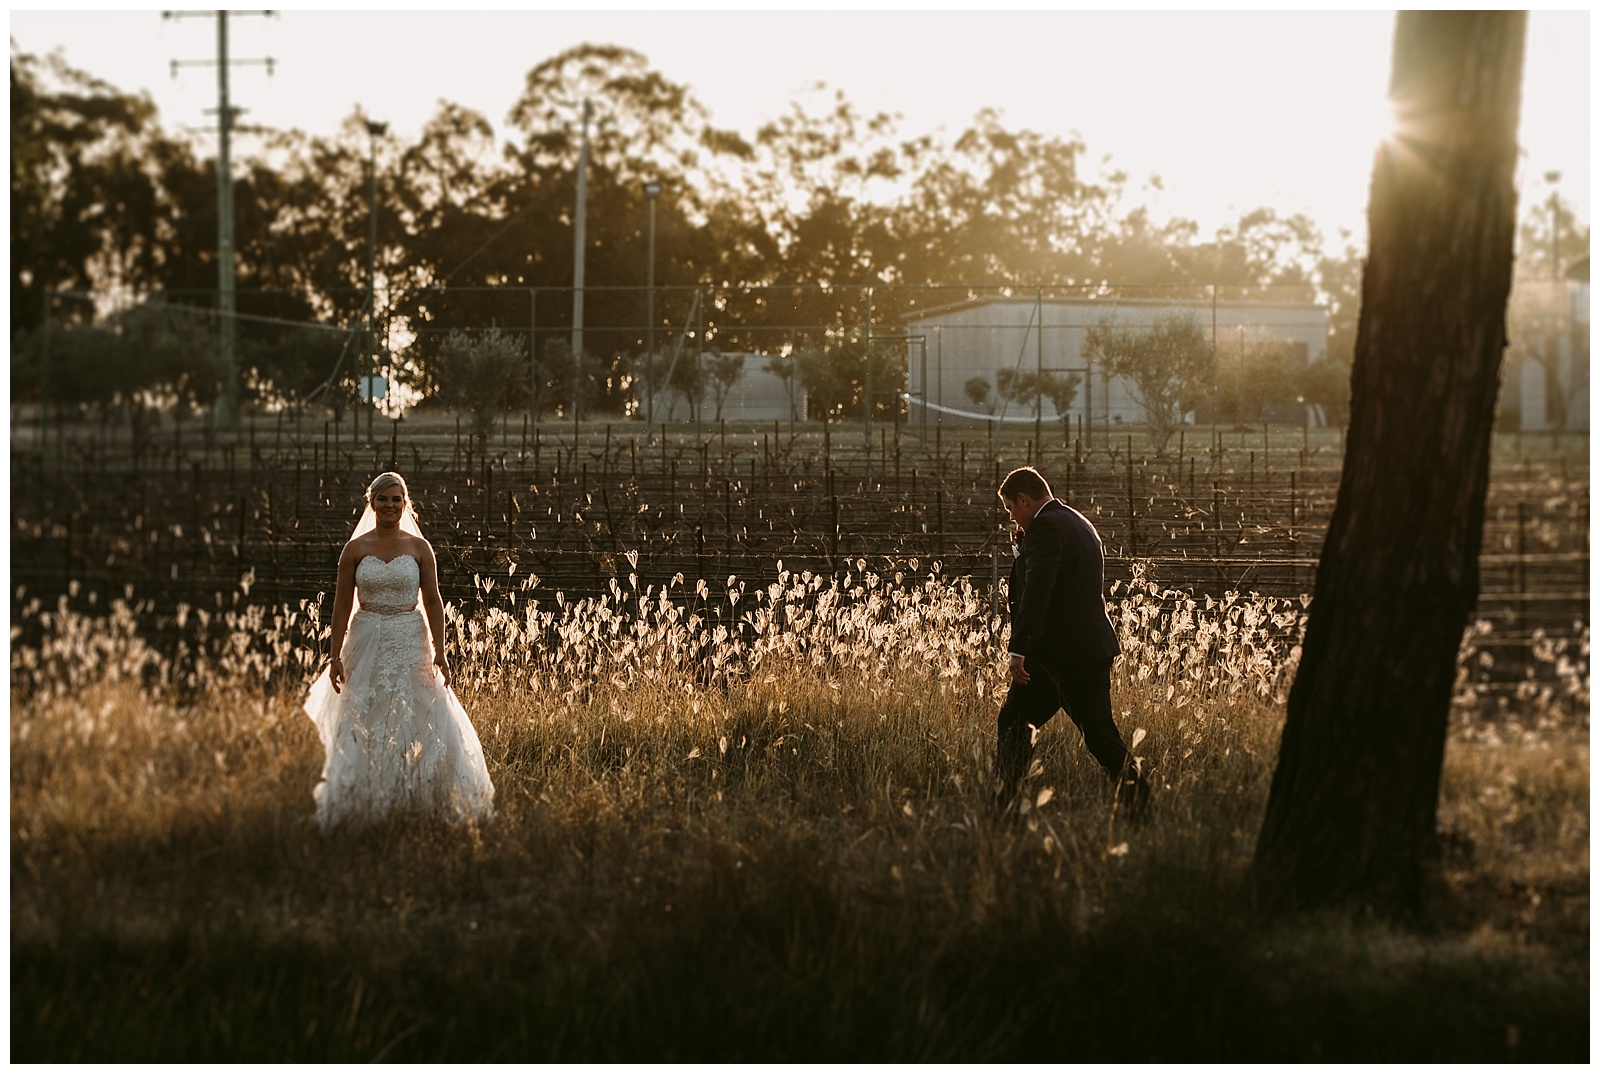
(1084,691)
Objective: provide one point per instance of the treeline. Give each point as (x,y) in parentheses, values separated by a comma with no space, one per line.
(765,244)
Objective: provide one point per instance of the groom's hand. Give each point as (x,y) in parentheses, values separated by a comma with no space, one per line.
(1019,671)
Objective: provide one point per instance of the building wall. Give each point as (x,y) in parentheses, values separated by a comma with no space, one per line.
(981,338)
(1578,389)
(1551,317)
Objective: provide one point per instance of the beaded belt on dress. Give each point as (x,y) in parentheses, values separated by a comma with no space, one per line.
(388,609)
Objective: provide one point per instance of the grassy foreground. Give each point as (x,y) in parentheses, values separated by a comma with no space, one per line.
(766,845)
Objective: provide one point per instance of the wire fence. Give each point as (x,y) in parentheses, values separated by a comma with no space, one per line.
(929,343)
(1226,509)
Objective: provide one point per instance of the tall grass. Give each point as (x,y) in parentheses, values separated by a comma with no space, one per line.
(753,824)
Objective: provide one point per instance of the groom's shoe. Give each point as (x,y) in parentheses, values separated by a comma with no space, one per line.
(1133,795)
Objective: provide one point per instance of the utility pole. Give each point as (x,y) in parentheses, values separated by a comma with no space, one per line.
(579,221)
(1038,376)
(699,352)
(533,362)
(228,405)
(44,373)
(866,395)
(1555,225)
(1216,401)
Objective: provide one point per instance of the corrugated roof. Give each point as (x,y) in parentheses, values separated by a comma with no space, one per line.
(1198,302)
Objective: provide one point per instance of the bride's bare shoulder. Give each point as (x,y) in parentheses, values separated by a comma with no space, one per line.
(419,547)
(355,548)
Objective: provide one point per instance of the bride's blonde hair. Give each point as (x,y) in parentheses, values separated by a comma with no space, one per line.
(369,518)
(383,481)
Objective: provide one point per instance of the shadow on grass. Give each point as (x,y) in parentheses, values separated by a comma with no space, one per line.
(781,955)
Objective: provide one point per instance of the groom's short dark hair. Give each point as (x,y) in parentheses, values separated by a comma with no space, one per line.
(1027,480)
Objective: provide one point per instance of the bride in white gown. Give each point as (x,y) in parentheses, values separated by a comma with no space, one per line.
(396,737)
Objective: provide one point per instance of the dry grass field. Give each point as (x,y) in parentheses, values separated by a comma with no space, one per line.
(752,825)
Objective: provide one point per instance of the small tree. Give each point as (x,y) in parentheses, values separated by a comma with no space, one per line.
(297,362)
(687,378)
(786,369)
(341,391)
(173,354)
(977,390)
(1025,389)
(827,386)
(1169,366)
(1326,383)
(724,371)
(836,378)
(1255,378)
(81,366)
(1062,390)
(554,372)
(479,374)
(649,372)
(559,375)
(1020,388)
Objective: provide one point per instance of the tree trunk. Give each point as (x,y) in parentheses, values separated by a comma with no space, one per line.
(1350,821)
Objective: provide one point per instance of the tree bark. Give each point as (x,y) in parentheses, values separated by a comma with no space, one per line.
(1350,821)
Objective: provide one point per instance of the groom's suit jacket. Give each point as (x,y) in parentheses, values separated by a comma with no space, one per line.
(1058,608)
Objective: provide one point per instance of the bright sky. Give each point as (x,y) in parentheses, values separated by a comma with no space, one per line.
(1232,110)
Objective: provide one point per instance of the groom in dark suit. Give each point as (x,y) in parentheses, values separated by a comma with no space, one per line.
(1062,643)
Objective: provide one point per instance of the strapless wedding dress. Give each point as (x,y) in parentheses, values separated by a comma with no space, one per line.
(396,737)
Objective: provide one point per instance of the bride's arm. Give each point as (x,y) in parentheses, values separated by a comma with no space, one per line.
(344,597)
(433,605)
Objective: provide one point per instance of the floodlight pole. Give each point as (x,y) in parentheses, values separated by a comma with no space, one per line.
(375,131)
(652,191)
(923,377)
(579,222)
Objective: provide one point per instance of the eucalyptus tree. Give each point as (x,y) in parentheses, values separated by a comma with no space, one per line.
(1257,256)
(1550,239)
(452,237)
(1005,207)
(644,127)
(1351,819)
(83,199)
(1137,250)
(823,175)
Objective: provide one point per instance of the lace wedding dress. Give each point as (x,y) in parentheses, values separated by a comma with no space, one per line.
(396,737)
